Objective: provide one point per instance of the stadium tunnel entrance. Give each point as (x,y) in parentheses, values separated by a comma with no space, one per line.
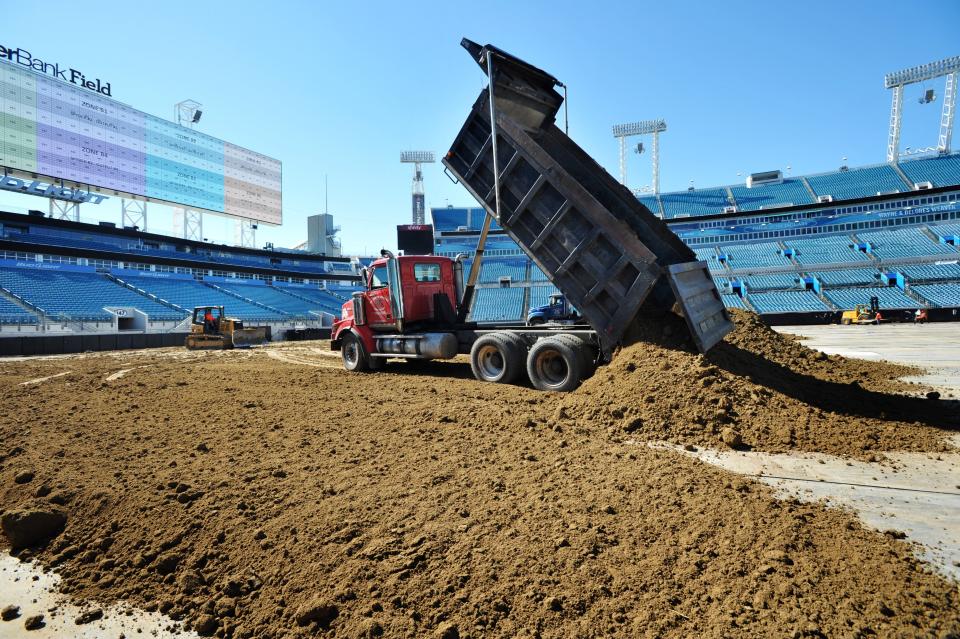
(128,318)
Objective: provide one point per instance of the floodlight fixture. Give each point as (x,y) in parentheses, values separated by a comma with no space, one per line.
(923,72)
(417,157)
(639,128)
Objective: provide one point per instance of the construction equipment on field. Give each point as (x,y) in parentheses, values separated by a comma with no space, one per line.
(211,329)
(863,314)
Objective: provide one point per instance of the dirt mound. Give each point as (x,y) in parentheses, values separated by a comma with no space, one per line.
(764,390)
(250,496)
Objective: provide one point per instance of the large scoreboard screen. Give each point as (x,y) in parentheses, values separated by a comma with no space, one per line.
(59,130)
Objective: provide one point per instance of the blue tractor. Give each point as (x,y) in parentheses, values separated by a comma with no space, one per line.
(558,311)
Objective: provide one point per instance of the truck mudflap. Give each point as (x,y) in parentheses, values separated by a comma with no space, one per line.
(700,303)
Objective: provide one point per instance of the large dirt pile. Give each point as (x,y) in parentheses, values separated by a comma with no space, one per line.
(758,389)
(269,494)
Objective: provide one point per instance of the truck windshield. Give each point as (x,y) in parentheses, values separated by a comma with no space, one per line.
(379,277)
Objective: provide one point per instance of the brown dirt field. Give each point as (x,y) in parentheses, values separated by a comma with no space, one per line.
(269,489)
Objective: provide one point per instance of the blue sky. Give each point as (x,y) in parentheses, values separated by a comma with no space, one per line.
(340,89)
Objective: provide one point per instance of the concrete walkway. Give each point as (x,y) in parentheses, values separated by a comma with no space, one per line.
(934,347)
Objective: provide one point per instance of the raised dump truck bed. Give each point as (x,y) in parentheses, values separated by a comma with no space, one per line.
(613,259)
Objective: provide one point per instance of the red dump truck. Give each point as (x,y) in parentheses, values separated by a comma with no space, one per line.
(610,256)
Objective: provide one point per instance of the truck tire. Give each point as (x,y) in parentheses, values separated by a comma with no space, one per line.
(497,358)
(587,357)
(554,365)
(354,353)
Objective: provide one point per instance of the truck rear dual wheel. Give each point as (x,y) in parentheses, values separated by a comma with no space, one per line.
(556,363)
(497,357)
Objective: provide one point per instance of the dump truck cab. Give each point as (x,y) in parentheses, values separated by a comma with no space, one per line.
(559,310)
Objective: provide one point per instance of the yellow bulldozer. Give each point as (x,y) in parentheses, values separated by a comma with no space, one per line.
(211,329)
(863,314)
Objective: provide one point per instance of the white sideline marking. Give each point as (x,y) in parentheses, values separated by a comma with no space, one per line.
(120,373)
(40,380)
(296,360)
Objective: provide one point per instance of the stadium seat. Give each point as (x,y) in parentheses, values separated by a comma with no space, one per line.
(940,171)
(889,297)
(856,183)
(827,249)
(78,295)
(498,305)
(188,294)
(787,302)
(943,294)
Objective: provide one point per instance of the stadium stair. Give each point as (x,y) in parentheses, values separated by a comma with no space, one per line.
(14,308)
(810,190)
(119,282)
(903,176)
(856,241)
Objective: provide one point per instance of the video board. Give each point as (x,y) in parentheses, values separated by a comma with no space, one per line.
(56,129)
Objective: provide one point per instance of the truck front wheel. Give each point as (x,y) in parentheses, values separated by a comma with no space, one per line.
(355,357)
(497,357)
(555,365)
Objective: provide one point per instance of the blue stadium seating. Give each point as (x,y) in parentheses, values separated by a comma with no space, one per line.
(707,254)
(77,295)
(732,301)
(750,255)
(498,305)
(789,192)
(10,313)
(889,297)
(943,230)
(855,183)
(919,272)
(280,299)
(847,277)
(908,242)
(826,249)
(651,202)
(536,275)
(493,269)
(190,293)
(328,301)
(698,202)
(944,294)
(773,281)
(787,302)
(941,171)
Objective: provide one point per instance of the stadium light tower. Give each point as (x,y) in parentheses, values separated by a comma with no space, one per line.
(418,158)
(646,127)
(949,67)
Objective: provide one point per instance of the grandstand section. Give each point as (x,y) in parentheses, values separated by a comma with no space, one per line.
(811,244)
(59,277)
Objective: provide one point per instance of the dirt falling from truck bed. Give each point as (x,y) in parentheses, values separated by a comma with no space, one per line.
(757,389)
(269,494)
